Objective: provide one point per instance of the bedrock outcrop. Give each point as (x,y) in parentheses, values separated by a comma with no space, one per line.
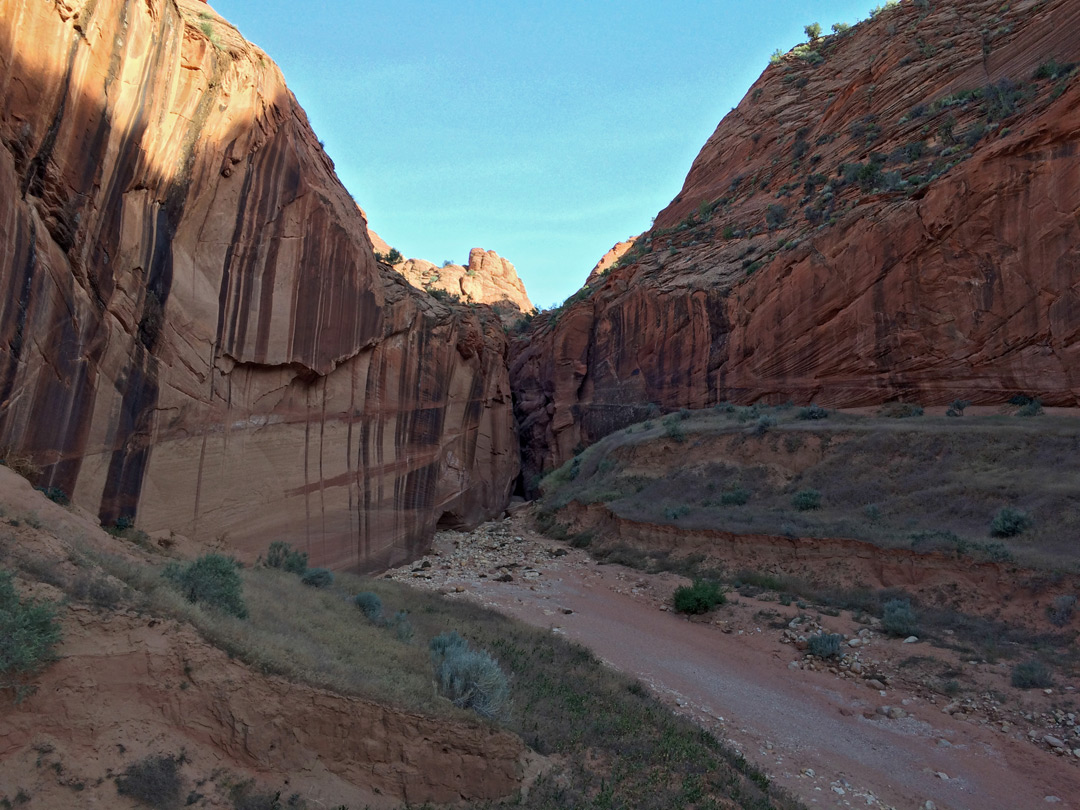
(195,334)
(487,279)
(892,212)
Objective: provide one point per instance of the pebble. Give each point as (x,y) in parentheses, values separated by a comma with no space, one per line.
(1053,742)
(911,639)
(1052,799)
(874,683)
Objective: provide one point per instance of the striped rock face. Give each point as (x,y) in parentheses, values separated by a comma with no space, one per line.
(194,332)
(892,212)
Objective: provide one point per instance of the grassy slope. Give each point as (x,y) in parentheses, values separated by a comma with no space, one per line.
(923,482)
(611,743)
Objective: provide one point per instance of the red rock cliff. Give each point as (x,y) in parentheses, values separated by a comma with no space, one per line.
(194,330)
(892,212)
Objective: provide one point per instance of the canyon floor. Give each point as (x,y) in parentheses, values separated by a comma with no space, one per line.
(826,732)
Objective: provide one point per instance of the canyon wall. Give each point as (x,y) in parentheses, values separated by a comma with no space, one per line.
(195,334)
(892,212)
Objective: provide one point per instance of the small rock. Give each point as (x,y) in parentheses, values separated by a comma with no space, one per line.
(567,611)
(896,713)
(504,578)
(929,805)
(883,710)
(942,775)
(793,665)
(1053,742)
(855,642)
(911,640)
(808,772)
(874,683)
(1051,800)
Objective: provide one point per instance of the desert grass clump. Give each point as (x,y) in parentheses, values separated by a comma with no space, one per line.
(154,781)
(317,578)
(806,500)
(1032,674)
(825,645)
(1061,612)
(282,555)
(29,634)
(470,679)
(1009,522)
(701,597)
(899,619)
(212,580)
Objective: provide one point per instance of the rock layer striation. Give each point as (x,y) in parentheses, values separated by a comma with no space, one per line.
(892,212)
(195,334)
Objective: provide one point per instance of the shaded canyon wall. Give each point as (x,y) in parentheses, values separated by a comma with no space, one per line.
(194,332)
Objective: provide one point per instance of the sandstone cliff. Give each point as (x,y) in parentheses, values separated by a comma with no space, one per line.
(488,279)
(891,212)
(195,333)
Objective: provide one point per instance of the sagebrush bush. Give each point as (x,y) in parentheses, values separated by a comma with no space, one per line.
(470,678)
(29,634)
(899,619)
(806,499)
(1061,612)
(282,555)
(370,605)
(212,580)
(825,645)
(812,412)
(1032,674)
(701,597)
(734,497)
(154,781)
(317,578)
(1009,522)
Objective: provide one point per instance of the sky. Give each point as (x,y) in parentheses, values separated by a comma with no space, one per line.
(545,130)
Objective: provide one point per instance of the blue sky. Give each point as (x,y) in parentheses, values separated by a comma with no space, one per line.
(546,131)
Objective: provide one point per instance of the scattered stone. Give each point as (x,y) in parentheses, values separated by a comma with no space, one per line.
(855,642)
(504,578)
(874,683)
(911,640)
(1052,799)
(929,805)
(1053,742)
(942,775)
(896,713)
(793,665)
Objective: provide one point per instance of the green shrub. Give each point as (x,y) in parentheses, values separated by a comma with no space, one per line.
(471,679)
(672,429)
(840,28)
(813,31)
(55,494)
(734,497)
(899,619)
(701,597)
(812,412)
(825,645)
(317,578)
(1032,408)
(282,555)
(212,580)
(581,539)
(676,512)
(370,605)
(806,499)
(28,637)
(154,781)
(1009,522)
(1032,674)
(957,407)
